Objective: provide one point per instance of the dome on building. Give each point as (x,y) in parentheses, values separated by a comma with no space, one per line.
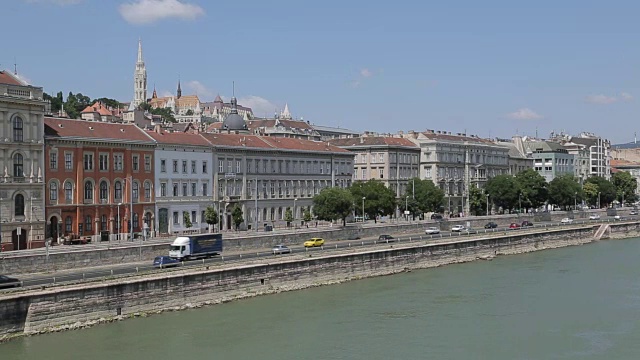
(233,121)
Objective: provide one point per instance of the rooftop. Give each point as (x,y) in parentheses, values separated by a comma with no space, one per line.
(104,131)
(178,138)
(373,141)
(10,79)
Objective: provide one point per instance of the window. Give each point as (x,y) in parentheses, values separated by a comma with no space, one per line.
(175,218)
(67,224)
(204,190)
(53,160)
(184,166)
(194,219)
(193,189)
(68,191)
(364,174)
(238,167)
(175,166)
(136,159)
(163,189)
(381,173)
(117,162)
(88,162)
(184,189)
(147,190)
(163,165)
(136,221)
(19,205)
(53,191)
(229,166)
(193,166)
(220,166)
(104,191)
(103,162)
(135,190)
(175,189)
(103,222)
(147,163)
(18,170)
(68,161)
(204,167)
(117,187)
(87,223)
(17,129)
(88,190)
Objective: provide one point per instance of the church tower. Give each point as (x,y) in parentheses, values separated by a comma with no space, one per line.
(140,80)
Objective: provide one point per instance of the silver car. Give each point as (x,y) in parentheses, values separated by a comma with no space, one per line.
(280,249)
(432,231)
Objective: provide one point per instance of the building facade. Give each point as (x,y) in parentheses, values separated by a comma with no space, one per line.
(518,160)
(596,148)
(21,161)
(550,159)
(183,181)
(96,173)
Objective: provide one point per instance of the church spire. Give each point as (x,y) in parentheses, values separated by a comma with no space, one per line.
(179,92)
(155,95)
(140,51)
(139,80)
(285,113)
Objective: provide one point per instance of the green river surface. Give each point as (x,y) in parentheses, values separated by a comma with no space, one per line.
(571,303)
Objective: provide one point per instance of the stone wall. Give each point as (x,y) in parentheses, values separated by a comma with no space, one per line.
(16,263)
(77,306)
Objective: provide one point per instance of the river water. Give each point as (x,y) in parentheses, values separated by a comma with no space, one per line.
(571,303)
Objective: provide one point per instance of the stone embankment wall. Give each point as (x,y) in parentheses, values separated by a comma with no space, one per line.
(16,263)
(77,306)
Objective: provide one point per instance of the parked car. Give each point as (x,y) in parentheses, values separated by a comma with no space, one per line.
(353,237)
(165,262)
(594,217)
(9,282)
(386,238)
(566,221)
(436,216)
(457,228)
(617,217)
(526,223)
(314,242)
(514,226)
(490,225)
(280,249)
(432,231)
(633,212)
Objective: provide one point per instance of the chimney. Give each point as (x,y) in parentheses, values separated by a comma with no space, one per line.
(157,128)
(361,140)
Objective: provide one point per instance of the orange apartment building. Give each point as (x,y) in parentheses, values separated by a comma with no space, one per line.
(93,172)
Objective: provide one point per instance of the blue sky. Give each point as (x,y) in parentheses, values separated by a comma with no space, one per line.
(492,68)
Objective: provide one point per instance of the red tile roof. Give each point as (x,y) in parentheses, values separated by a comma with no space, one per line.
(178,138)
(69,128)
(237,140)
(374,141)
(8,78)
(624,163)
(98,107)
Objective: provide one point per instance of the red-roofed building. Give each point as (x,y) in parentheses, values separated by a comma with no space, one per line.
(100,112)
(94,172)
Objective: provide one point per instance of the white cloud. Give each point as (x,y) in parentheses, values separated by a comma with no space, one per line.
(366,73)
(55,2)
(140,12)
(260,106)
(166,93)
(199,89)
(625,96)
(524,114)
(601,99)
(363,74)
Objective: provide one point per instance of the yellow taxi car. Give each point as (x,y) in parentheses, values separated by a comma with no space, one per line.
(314,242)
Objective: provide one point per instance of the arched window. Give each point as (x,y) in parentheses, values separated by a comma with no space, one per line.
(135,221)
(68,191)
(147,219)
(147,190)
(53,191)
(18,169)
(103,223)
(19,205)
(17,129)
(117,188)
(67,224)
(104,191)
(88,190)
(135,190)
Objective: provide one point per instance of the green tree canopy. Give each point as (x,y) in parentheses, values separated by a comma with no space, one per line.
(307,215)
(237,216)
(503,191)
(605,188)
(564,190)
(56,102)
(165,113)
(109,102)
(533,188)
(625,185)
(288,215)
(333,204)
(75,104)
(424,196)
(477,201)
(380,200)
(590,191)
(211,215)
(187,219)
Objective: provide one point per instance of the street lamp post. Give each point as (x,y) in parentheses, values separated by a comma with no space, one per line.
(294,212)
(406,207)
(598,200)
(256,205)
(363,198)
(575,201)
(487,205)
(520,202)
(118,222)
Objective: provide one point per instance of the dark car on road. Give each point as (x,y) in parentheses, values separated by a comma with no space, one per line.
(9,282)
(490,225)
(353,237)
(436,216)
(165,262)
(526,223)
(387,238)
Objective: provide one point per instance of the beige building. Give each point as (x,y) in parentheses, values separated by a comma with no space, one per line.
(518,159)
(22,221)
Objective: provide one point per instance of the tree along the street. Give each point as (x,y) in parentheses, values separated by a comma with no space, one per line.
(477,201)
(186,219)
(503,191)
(590,191)
(288,216)
(564,191)
(211,216)
(626,186)
(424,196)
(380,200)
(333,204)
(237,216)
(533,188)
(605,188)
(307,215)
